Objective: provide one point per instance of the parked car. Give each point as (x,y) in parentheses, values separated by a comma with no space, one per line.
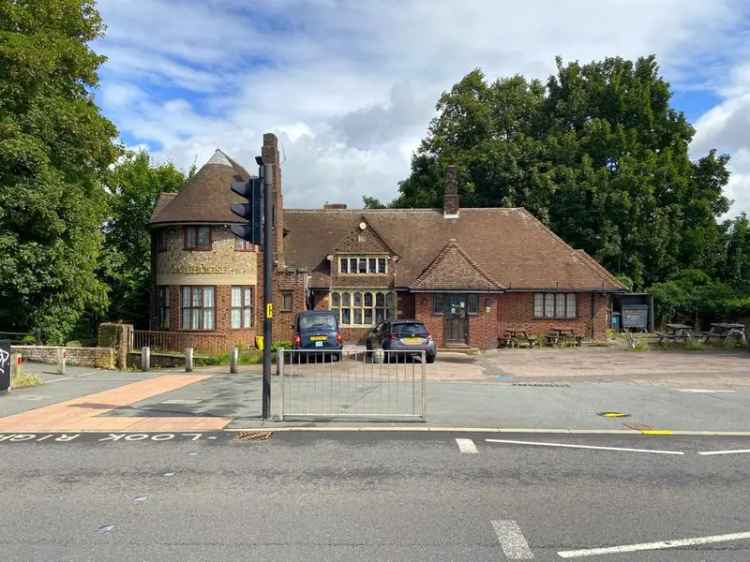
(318,330)
(402,336)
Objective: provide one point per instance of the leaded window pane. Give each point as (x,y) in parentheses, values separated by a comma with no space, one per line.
(236,318)
(336,300)
(560,305)
(571,308)
(236,296)
(381,265)
(346,299)
(549,305)
(368,299)
(379,299)
(203,236)
(357,316)
(539,305)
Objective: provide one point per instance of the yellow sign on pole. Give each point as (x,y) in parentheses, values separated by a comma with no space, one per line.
(269,310)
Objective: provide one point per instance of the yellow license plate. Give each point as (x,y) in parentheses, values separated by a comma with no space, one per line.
(411,341)
(318,338)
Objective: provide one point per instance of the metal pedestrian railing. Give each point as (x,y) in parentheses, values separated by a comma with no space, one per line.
(346,384)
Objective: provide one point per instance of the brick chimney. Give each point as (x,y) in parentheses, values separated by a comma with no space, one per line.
(450,196)
(270,153)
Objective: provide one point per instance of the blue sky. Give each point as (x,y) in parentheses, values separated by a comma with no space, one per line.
(350,87)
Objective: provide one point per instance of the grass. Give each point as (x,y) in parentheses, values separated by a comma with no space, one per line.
(247,357)
(24,380)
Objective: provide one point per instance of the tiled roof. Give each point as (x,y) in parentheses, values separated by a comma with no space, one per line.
(508,245)
(206,197)
(454,269)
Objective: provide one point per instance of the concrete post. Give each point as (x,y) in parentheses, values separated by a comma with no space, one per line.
(145,358)
(188,359)
(234,359)
(61,358)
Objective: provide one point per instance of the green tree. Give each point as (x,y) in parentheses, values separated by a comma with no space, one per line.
(597,153)
(55,148)
(692,295)
(372,202)
(134,186)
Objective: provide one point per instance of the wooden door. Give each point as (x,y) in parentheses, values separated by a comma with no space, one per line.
(455,330)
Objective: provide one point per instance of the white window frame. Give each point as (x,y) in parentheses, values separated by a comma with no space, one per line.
(555,306)
(244,308)
(353,263)
(369,309)
(200,317)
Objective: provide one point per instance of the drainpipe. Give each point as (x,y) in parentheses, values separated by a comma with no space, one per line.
(593,313)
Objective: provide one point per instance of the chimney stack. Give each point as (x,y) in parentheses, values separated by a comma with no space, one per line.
(450,196)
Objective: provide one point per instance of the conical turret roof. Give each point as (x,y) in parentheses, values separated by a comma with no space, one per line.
(206,197)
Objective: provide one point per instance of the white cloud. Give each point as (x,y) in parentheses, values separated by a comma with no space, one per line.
(350,87)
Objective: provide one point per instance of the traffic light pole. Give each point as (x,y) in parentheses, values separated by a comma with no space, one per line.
(267,285)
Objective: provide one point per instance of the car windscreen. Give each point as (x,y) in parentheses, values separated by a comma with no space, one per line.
(409,330)
(317,322)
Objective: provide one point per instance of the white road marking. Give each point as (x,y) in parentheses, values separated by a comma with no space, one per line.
(727,452)
(567,446)
(702,390)
(467,446)
(512,541)
(177,402)
(653,545)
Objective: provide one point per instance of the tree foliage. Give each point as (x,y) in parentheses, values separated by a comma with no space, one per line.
(133,188)
(597,153)
(55,149)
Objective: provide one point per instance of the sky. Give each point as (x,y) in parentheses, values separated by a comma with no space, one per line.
(350,87)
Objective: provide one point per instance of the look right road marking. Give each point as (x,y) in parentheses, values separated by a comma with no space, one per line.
(467,446)
(696,541)
(512,541)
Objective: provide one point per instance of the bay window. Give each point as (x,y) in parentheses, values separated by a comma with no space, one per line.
(363,307)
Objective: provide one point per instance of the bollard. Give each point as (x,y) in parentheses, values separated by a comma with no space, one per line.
(234,359)
(145,358)
(61,357)
(188,359)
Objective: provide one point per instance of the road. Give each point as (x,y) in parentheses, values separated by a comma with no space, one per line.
(304,496)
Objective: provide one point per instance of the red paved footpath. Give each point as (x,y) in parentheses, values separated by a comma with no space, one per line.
(85,413)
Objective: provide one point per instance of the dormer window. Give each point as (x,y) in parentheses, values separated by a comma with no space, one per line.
(197,237)
(363,265)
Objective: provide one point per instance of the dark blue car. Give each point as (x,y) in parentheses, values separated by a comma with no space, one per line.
(317,330)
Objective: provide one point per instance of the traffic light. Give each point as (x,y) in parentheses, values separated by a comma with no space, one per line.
(252,211)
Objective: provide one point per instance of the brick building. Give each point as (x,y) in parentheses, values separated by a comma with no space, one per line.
(468,274)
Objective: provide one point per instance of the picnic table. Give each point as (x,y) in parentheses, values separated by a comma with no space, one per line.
(723,331)
(562,336)
(518,338)
(676,333)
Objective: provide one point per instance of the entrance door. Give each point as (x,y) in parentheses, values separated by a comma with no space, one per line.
(455,330)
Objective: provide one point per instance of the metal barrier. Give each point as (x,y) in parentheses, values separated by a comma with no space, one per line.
(364,384)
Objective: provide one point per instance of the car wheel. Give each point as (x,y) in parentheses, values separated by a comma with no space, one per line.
(430,358)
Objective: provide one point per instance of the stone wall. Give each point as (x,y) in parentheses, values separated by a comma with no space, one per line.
(222,265)
(101,357)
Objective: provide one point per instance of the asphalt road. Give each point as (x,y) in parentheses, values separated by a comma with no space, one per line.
(367,496)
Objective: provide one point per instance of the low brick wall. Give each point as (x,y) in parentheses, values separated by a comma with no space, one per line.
(101,357)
